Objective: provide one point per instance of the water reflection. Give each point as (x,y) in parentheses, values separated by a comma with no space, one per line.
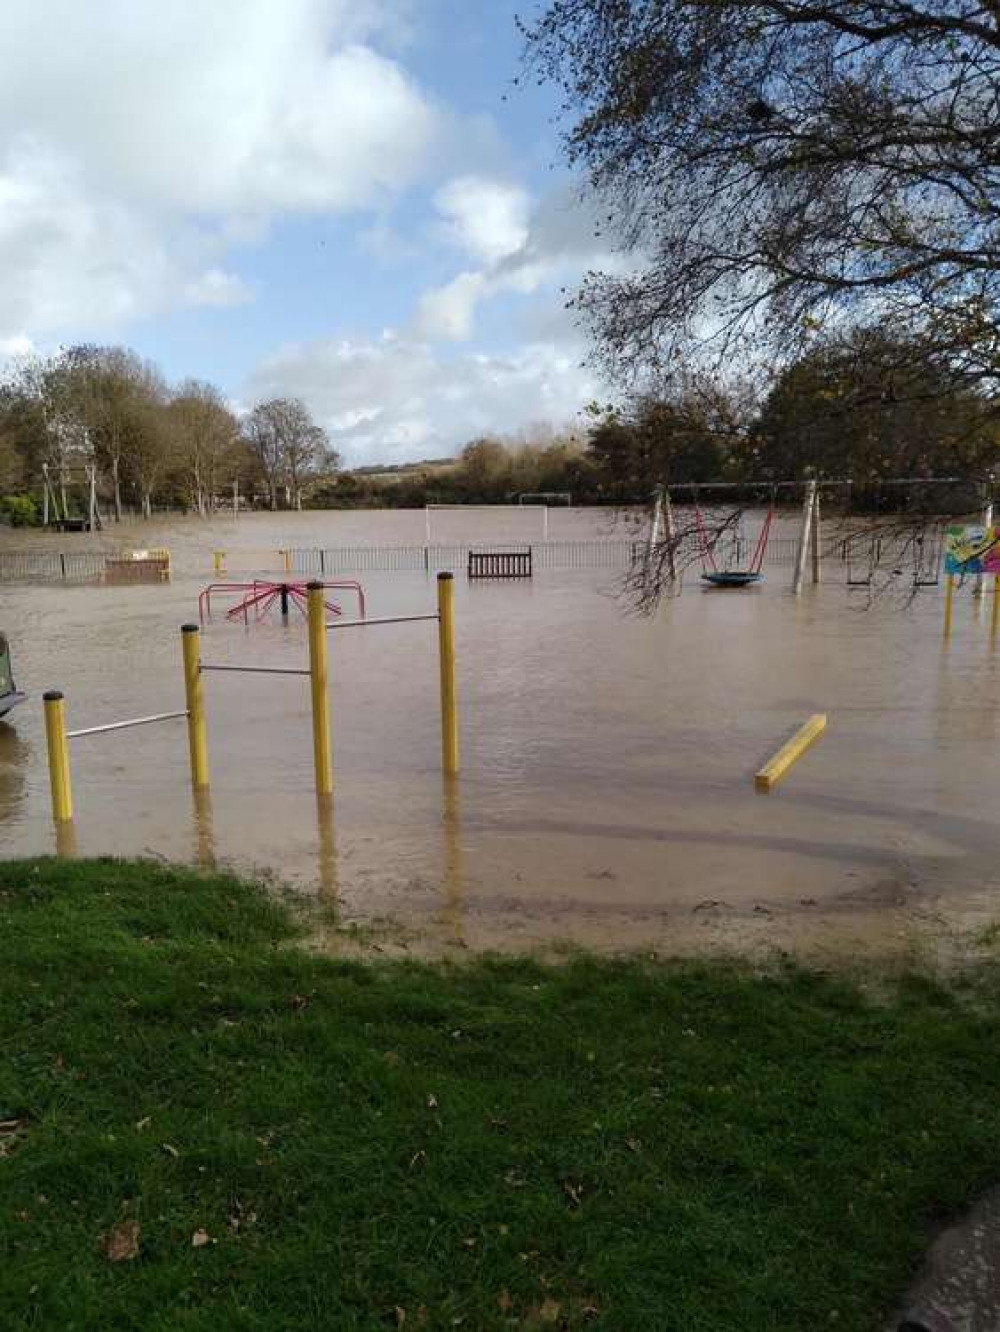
(204,830)
(329,886)
(453,900)
(15,754)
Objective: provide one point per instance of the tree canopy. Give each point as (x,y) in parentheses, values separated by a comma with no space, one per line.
(778,167)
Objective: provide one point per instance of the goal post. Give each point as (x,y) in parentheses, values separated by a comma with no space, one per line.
(548,498)
(507,510)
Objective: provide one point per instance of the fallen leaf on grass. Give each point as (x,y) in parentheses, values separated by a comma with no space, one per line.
(574,1192)
(505,1301)
(546,1313)
(121,1244)
(633,1144)
(418,1159)
(144,1123)
(200,1238)
(10,1131)
(432,1102)
(170,1150)
(469,1243)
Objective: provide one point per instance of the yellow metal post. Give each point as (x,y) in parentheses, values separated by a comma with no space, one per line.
(286,560)
(219,558)
(789,754)
(194,694)
(449,694)
(58,746)
(322,746)
(995,617)
(949,598)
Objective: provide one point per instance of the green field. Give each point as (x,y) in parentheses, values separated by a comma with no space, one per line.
(205,1126)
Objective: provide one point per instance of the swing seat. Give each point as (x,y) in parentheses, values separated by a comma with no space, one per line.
(733,578)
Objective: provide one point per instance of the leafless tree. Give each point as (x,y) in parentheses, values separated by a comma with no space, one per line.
(777,167)
(288,447)
(205,434)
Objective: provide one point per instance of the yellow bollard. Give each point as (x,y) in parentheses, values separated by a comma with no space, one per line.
(58,746)
(995,617)
(286,560)
(219,558)
(449,696)
(949,598)
(195,697)
(322,747)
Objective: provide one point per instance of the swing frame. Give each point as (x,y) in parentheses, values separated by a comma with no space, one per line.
(730,578)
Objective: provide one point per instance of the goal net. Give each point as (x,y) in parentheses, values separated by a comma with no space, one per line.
(519,524)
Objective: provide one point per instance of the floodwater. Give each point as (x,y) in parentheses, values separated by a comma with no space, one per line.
(606,795)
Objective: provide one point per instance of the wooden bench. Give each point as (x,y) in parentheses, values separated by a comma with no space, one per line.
(500,563)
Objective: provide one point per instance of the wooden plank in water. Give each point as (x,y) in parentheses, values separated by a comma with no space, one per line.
(789,754)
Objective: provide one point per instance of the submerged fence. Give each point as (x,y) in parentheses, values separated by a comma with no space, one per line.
(612,554)
(33,566)
(84,566)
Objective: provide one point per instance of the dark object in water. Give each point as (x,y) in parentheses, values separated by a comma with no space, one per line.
(733,578)
(9,696)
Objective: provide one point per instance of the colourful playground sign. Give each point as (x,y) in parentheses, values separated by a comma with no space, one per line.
(972,548)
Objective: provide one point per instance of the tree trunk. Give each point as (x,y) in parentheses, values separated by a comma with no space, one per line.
(118,489)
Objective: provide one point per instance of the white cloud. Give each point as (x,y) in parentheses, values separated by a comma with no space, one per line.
(399,399)
(447,313)
(525,247)
(76,261)
(138,142)
(17,345)
(217,287)
(487,218)
(233,106)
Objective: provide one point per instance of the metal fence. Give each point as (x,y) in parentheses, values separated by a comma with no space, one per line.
(32,566)
(431,559)
(604,554)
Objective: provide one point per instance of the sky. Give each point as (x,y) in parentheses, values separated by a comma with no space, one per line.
(346,201)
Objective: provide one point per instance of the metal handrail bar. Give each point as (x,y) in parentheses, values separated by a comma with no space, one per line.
(258,670)
(123,725)
(384,619)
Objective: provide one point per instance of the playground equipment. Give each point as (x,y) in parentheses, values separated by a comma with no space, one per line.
(500,564)
(731,577)
(261,595)
(69,473)
(789,754)
(58,737)
(57,741)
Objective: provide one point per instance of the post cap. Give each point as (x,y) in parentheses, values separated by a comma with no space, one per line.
(314,585)
(442,577)
(189,628)
(52,696)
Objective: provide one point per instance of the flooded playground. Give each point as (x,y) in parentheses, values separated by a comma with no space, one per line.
(606,795)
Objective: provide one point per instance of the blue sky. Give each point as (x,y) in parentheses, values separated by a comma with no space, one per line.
(349,202)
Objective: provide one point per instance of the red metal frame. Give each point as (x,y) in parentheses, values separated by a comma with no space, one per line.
(260,596)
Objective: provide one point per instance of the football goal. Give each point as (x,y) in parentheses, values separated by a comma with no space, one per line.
(454,523)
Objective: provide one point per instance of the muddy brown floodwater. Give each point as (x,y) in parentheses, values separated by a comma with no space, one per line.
(606,795)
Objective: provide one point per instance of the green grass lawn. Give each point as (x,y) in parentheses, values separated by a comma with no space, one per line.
(205,1127)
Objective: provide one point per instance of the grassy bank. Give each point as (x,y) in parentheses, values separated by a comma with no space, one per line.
(204,1128)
